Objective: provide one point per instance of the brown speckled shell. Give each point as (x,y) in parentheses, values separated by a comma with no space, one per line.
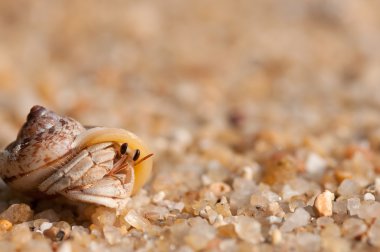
(44,139)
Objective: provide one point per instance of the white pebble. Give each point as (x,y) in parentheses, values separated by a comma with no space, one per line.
(274,219)
(137,221)
(65,247)
(248,172)
(353,206)
(299,218)
(369,196)
(45,226)
(288,192)
(159,196)
(206,180)
(248,229)
(348,188)
(315,164)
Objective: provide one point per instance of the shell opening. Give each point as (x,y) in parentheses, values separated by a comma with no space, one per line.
(96,135)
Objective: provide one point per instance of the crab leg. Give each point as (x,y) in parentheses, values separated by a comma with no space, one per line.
(99,156)
(110,191)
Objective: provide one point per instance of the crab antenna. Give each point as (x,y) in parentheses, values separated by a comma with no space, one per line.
(144,158)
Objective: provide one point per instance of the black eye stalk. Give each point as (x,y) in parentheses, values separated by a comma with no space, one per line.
(137,155)
(123,151)
(123,148)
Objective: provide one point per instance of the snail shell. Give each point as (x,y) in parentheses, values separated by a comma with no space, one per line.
(57,155)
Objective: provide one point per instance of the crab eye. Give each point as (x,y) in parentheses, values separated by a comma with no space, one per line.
(123,148)
(136,155)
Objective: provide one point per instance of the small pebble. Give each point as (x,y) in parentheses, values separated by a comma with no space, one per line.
(369,196)
(280,168)
(248,229)
(323,203)
(5,225)
(276,236)
(65,247)
(17,213)
(209,213)
(227,245)
(348,188)
(324,221)
(159,196)
(37,245)
(275,209)
(315,165)
(308,242)
(353,228)
(374,234)
(21,233)
(248,172)
(299,218)
(45,225)
(331,230)
(341,175)
(199,234)
(219,188)
(103,217)
(59,231)
(274,219)
(369,210)
(112,234)
(227,231)
(353,206)
(259,202)
(340,206)
(137,221)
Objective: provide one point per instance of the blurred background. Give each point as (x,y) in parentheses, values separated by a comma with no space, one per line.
(171,69)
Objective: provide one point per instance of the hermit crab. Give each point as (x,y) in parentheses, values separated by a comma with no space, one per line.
(57,155)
